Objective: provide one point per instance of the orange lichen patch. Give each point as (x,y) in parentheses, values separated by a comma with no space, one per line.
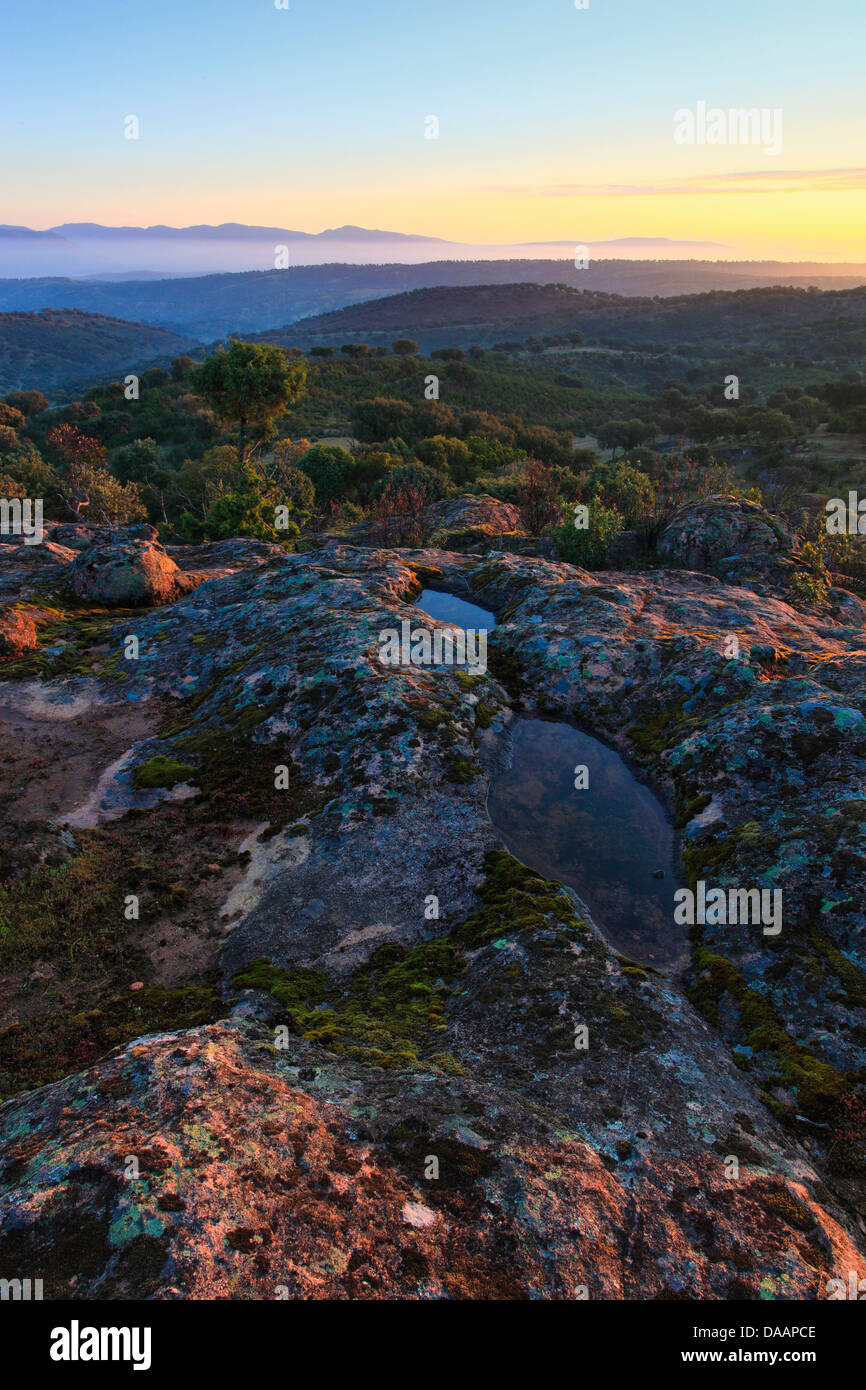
(193,1165)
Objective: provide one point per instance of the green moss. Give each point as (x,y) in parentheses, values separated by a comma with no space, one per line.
(249,716)
(68,639)
(64,912)
(219,753)
(483,716)
(431,717)
(446,1062)
(513,898)
(693,808)
(784,1204)
(460,769)
(161,772)
(505,666)
(701,859)
(820,1087)
(651,737)
(851,977)
(482,577)
(387,1015)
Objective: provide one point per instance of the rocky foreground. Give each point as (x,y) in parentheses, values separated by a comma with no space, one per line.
(306,1030)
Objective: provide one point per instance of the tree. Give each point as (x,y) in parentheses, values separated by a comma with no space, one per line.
(28,402)
(86,481)
(398,513)
(452,456)
(251,384)
(181,367)
(250,509)
(629,491)
(537,497)
(415,479)
(405,347)
(327,466)
(10,417)
(199,482)
(381,418)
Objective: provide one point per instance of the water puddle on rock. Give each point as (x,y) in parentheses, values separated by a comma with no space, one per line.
(611,842)
(447,608)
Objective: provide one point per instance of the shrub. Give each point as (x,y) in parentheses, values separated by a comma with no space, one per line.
(588,546)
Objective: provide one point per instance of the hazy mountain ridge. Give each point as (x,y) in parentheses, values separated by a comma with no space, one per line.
(210,306)
(92,249)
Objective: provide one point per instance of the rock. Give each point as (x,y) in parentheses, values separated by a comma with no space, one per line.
(126,574)
(263,1176)
(72,535)
(706,535)
(17,633)
(225,557)
(289,1163)
(462,523)
(36,556)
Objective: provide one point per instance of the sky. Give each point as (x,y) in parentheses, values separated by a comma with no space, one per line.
(554,123)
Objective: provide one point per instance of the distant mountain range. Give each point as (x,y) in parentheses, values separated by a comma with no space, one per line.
(89,249)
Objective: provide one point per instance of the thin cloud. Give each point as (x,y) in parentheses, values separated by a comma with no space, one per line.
(749,181)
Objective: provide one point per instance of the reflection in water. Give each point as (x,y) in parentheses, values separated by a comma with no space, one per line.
(446,608)
(607,841)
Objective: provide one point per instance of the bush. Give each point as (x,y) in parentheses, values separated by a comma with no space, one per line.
(415,478)
(588,546)
(327,466)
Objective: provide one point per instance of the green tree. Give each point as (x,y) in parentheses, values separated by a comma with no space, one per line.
(28,402)
(250,384)
(328,467)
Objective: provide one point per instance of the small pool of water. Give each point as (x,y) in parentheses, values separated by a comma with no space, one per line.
(607,841)
(447,608)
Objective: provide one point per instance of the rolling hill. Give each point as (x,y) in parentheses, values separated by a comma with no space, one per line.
(210,306)
(58,348)
(487,314)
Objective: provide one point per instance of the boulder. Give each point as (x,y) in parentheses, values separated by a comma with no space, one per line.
(72,535)
(484,517)
(705,535)
(129,574)
(36,556)
(240,552)
(17,633)
(79,535)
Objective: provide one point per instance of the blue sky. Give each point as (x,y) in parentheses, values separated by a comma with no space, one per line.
(314,116)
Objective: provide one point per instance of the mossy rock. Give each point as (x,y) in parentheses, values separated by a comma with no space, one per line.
(161,772)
